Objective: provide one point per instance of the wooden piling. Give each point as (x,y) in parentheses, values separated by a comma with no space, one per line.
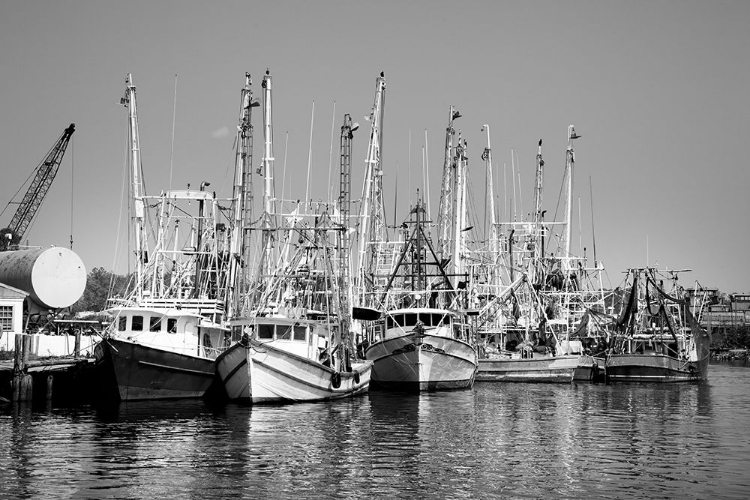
(77,347)
(22,383)
(50,382)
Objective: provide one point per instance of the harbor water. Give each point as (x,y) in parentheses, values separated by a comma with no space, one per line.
(494,441)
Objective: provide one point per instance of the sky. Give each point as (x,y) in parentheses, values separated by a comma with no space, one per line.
(657,90)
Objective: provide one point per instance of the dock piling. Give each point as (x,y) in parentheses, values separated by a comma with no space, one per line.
(22,381)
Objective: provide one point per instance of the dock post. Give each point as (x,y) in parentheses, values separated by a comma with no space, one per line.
(50,382)
(22,381)
(77,348)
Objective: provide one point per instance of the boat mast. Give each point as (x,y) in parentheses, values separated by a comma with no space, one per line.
(462,162)
(372,224)
(268,192)
(344,245)
(243,201)
(137,190)
(447,190)
(569,162)
(490,204)
(538,231)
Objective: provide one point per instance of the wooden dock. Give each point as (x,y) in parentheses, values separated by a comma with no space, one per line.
(58,377)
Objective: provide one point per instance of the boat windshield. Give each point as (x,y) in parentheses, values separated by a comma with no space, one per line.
(284,332)
(299,332)
(265,332)
(411,319)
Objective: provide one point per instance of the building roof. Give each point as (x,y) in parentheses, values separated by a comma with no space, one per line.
(9,292)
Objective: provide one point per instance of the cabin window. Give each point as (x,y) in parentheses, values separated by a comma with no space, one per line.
(284,332)
(154,324)
(410,319)
(299,332)
(137,324)
(438,319)
(265,332)
(430,319)
(389,323)
(122,323)
(172,325)
(236,332)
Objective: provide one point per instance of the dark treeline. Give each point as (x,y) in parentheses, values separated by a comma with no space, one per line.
(100,285)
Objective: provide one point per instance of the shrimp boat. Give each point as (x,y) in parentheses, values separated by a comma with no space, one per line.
(422,349)
(285,359)
(416,345)
(167,332)
(289,326)
(657,339)
(530,330)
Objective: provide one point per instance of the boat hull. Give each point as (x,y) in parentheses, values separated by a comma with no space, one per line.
(431,364)
(258,373)
(132,372)
(544,369)
(652,368)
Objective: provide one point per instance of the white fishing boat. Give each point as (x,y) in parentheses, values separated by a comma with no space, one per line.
(420,346)
(281,359)
(531,329)
(290,331)
(422,349)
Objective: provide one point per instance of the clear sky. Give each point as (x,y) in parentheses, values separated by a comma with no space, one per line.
(658,90)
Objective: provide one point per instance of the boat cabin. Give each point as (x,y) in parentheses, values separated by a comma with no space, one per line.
(177,330)
(438,322)
(298,336)
(655,344)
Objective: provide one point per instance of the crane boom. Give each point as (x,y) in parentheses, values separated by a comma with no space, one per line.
(32,200)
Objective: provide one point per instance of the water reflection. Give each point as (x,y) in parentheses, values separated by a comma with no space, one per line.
(498,440)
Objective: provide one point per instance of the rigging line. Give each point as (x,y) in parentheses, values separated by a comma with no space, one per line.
(309,156)
(330,151)
(72,186)
(506,215)
(119,225)
(426,172)
(580,230)
(33,172)
(283,173)
(174,115)
(408,191)
(513,179)
(593,233)
(520,189)
(423,174)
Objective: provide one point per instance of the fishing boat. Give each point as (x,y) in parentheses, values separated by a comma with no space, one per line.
(657,338)
(531,329)
(168,329)
(282,359)
(422,349)
(416,345)
(290,326)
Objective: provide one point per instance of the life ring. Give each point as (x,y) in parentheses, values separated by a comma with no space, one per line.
(336,380)
(356,377)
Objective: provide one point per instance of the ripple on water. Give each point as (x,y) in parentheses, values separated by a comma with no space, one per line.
(497,440)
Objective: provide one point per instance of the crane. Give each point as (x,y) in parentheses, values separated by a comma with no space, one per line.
(32,200)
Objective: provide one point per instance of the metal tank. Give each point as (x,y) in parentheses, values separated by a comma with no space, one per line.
(53,277)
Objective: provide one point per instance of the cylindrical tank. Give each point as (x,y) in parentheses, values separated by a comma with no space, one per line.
(53,277)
